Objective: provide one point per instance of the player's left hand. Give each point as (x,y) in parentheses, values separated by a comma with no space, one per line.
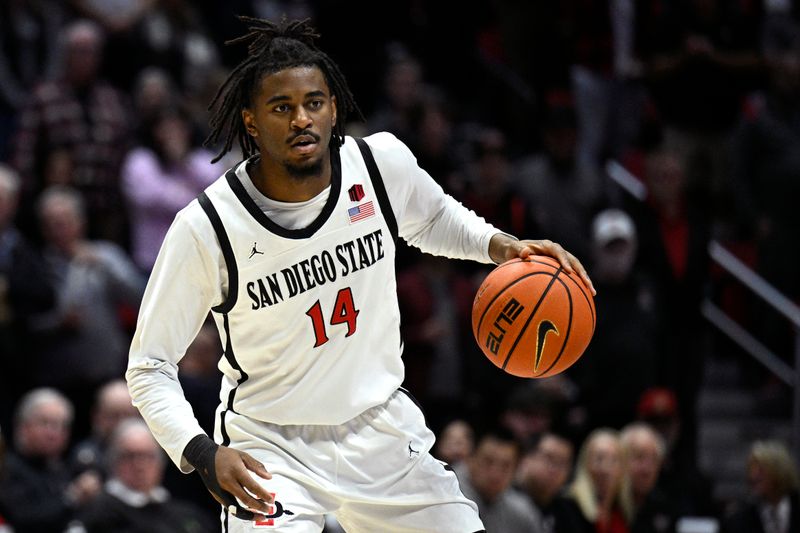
(503,248)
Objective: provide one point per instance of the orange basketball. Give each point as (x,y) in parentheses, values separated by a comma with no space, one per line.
(531,318)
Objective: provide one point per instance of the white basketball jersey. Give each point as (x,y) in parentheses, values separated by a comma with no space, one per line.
(311,325)
(308,317)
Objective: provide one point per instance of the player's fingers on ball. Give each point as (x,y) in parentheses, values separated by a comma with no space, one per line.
(584,275)
(563,256)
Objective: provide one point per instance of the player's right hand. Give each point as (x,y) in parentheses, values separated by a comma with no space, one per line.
(226,474)
(236,485)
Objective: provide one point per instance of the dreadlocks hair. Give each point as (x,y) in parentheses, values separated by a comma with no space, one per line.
(271,48)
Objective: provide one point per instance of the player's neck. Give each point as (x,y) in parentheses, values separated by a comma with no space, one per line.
(275,182)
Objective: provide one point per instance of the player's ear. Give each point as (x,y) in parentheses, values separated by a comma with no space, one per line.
(333,111)
(249,120)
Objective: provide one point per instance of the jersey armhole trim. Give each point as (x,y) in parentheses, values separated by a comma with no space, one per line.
(227,254)
(378,185)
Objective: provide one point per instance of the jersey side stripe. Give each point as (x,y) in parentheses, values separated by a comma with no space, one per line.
(378,185)
(227,254)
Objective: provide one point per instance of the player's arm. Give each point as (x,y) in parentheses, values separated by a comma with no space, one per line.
(436,223)
(427,218)
(187,280)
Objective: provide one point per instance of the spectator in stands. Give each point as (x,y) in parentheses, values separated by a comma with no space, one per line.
(700,59)
(627,323)
(674,229)
(531,409)
(644,451)
(399,96)
(562,190)
(28,54)
(491,190)
(24,290)
(688,489)
(486,478)
(117,20)
(599,496)
(133,500)
(37,492)
(455,443)
(112,405)
(764,168)
(153,91)
(83,342)
(543,473)
(775,503)
(605,77)
(160,177)
(80,111)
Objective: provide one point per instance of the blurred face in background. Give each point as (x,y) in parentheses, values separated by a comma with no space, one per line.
(492,467)
(138,461)
(62,222)
(456,442)
(644,460)
(114,405)
(604,464)
(83,53)
(545,471)
(46,430)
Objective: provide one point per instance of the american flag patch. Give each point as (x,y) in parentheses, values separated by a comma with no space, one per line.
(360,212)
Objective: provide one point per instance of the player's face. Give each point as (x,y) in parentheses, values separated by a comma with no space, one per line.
(291,119)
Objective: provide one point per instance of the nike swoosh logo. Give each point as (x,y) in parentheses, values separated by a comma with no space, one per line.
(545,327)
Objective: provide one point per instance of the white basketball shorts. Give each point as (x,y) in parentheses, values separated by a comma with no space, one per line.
(374,473)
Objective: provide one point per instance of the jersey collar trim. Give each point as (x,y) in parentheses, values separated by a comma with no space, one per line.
(268,224)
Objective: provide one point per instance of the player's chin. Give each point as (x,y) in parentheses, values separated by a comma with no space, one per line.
(305,167)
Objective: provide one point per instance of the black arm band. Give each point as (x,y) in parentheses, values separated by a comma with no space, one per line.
(200,453)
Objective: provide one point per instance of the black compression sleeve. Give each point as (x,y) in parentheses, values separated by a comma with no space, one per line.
(200,453)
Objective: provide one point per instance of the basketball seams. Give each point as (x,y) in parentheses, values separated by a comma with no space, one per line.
(530,317)
(569,329)
(500,292)
(503,290)
(586,297)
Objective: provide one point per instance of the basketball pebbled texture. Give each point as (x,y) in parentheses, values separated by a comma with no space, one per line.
(531,318)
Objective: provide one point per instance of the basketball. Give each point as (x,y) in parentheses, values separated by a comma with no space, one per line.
(531,318)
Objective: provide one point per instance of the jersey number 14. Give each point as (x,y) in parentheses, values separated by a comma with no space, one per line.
(344,312)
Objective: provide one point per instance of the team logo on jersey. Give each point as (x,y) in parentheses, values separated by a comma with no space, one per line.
(356,192)
(361,211)
(276,510)
(255,251)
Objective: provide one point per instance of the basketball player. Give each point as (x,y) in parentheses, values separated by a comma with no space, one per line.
(293,252)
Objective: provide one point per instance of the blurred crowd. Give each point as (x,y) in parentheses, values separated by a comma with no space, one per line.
(633,133)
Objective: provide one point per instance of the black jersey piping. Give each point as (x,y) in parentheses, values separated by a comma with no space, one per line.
(269,225)
(378,185)
(227,254)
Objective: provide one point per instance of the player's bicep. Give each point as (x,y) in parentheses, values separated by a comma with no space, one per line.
(183,286)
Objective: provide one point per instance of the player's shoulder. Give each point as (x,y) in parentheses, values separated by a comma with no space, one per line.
(386,148)
(194,216)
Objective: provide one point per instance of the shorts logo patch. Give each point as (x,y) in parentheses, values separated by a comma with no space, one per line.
(412,452)
(276,510)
